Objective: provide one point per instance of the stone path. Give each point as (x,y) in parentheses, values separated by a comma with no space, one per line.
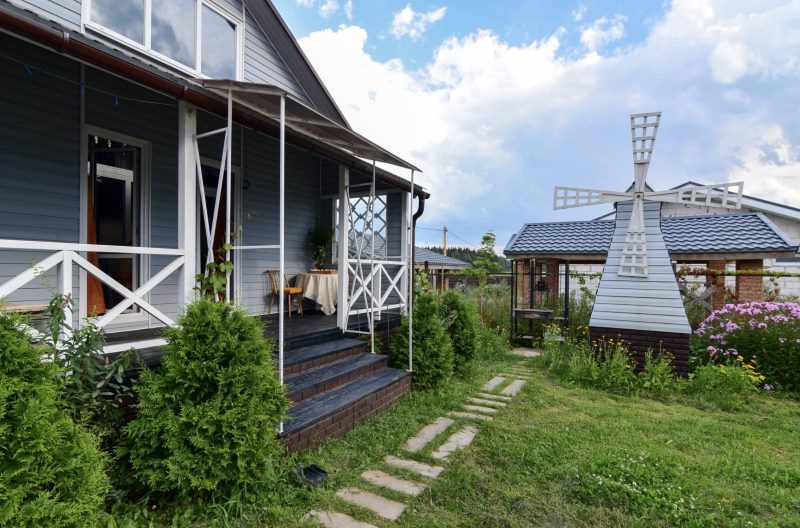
(493,398)
(428,433)
(526,352)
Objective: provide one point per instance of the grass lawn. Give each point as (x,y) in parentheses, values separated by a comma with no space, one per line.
(563,456)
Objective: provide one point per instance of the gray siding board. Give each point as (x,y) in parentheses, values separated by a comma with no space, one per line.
(653,303)
(263,64)
(39,185)
(64,12)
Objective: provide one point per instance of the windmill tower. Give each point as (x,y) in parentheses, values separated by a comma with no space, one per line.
(638,298)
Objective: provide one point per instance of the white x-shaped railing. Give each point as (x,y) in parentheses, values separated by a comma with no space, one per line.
(368,285)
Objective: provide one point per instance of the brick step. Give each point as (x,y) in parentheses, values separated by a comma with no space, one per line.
(335,412)
(308,357)
(312,382)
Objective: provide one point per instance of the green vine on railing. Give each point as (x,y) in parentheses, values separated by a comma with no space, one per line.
(214,282)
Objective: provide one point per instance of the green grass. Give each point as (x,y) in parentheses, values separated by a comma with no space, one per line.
(540,462)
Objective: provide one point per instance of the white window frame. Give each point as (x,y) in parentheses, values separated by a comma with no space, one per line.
(143,215)
(88,26)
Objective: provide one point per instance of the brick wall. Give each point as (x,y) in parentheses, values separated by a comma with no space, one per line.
(640,341)
(718,297)
(749,288)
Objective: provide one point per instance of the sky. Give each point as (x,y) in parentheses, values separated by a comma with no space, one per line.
(499,101)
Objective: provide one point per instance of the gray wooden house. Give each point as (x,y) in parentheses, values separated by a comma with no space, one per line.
(139,136)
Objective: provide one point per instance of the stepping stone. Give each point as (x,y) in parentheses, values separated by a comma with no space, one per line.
(416,467)
(517,376)
(513,388)
(493,383)
(496,397)
(428,433)
(526,352)
(459,440)
(480,408)
(379,478)
(472,416)
(386,508)
(487,403)
(332,519)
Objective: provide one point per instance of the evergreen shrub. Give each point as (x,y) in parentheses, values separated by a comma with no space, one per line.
(51,470)
(433,352)
(206,424)
(460,322)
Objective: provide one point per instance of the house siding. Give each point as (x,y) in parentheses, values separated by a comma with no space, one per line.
(652,303)
(66,13)
(39,184)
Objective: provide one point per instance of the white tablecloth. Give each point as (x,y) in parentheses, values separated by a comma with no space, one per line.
(323,288)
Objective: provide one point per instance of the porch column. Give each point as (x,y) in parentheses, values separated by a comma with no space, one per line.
(552,281)
(187,202)
(749,288)
(344,238)
(718,297)
(404,249)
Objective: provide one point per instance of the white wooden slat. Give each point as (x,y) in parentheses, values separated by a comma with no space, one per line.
(139,294)
(119,288)
(29,274)
(667,310)
(96,248)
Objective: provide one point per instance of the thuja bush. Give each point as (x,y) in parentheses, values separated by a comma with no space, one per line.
(460,322)
(433,352)
(206,424)
(765,333)
(51,470)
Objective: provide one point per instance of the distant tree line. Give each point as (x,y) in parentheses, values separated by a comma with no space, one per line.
(470,255)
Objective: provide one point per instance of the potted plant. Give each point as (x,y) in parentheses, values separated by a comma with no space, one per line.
(320,240)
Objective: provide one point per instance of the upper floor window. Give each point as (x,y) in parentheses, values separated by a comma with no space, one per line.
(191,33)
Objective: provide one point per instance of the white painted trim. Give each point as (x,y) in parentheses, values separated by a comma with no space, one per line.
(187,202)
(137,345)
(35,245)
(344,214)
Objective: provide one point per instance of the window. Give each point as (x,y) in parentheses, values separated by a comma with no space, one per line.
(188,33)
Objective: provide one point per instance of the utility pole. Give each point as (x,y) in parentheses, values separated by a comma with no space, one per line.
(444,252)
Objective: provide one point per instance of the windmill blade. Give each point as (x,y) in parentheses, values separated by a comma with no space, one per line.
(566,197)
(633,262)
(644,128)
(727,195)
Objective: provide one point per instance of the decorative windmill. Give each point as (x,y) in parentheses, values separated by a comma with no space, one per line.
(638,300)
(634,252)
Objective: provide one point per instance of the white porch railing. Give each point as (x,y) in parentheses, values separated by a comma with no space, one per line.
(65,256)
(367,289)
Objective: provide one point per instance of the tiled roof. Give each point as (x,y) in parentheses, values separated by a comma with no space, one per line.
(752,232)
(423,255)
(593,236)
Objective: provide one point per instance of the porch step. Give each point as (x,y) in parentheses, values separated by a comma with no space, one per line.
(332,375)
(335,412)
(301,359)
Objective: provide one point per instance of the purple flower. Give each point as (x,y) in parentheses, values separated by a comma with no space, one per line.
(768,387)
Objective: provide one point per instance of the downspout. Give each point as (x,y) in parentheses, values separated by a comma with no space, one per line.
(420,210)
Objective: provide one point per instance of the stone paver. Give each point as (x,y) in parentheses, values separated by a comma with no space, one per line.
(513,388)
(332,519)
(428,433)
(385,480)
(494,397)
(493,383)
(472,416)
(487,403)
(457,441)
(386,508)
(480,409)
(425,470)
(526,352)
(516,375)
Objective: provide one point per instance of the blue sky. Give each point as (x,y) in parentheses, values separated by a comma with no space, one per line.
(500,101)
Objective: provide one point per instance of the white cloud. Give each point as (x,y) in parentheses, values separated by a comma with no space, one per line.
(306,3)
(408,22)
(328,8)
(495,126)
(577,14)
(348,9)
(602,31)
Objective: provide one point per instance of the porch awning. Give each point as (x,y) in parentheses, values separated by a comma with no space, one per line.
(264,99)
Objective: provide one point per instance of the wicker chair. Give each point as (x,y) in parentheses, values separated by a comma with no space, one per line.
(274,281)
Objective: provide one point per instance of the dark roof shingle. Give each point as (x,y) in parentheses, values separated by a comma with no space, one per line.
(423,255)
(751,232)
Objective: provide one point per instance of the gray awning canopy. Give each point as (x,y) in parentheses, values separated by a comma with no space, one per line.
(264,99)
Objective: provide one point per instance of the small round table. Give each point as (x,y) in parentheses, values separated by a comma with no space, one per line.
(322,288)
